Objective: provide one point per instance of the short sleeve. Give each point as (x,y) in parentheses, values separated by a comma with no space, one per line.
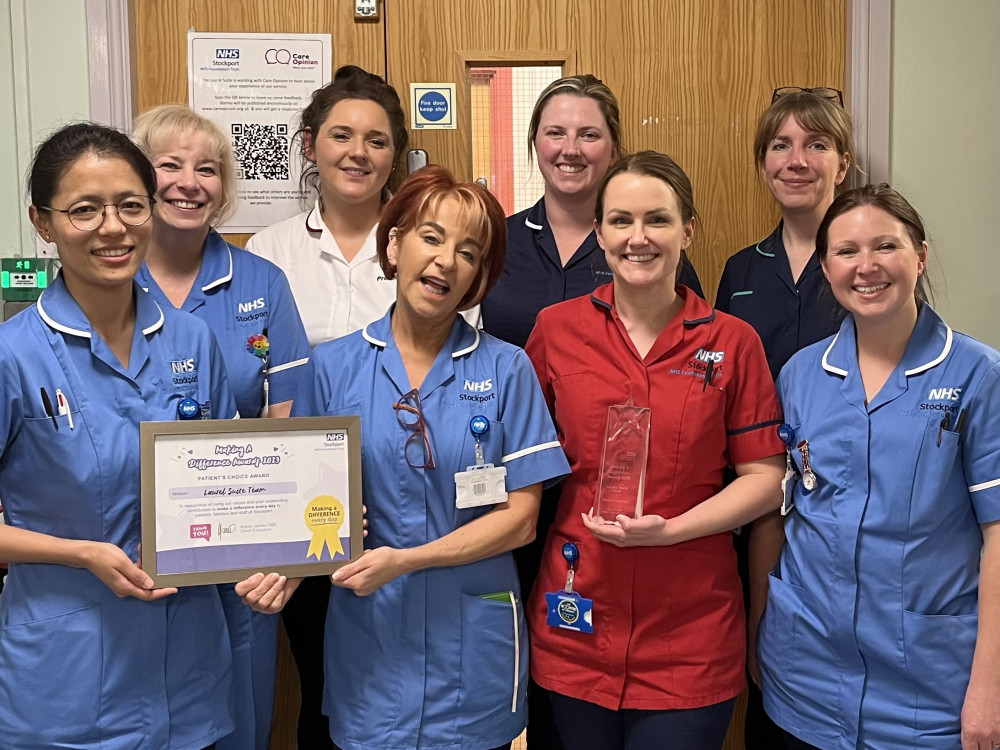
(11,405)
(535,349)
(531,449)
(981,448)
(287,337)
(753,413)
(312,398)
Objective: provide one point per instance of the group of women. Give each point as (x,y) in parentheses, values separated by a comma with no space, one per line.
(870,473)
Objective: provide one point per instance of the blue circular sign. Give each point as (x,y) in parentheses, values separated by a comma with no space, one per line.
(432,106)
(188,408)
(787,434)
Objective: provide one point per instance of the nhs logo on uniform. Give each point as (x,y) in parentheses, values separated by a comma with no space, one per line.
(182,365)
(257,304)
(227,54)
(479,386)
(944,394)
(706,356)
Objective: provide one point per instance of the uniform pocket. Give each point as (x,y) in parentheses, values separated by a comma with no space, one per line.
(50,692)
(776,634)
(938,651)
(494,659)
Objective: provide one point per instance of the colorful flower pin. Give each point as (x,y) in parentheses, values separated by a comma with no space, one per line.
(258,345)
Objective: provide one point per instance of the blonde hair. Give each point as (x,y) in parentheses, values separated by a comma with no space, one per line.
(158,124)
(585,86)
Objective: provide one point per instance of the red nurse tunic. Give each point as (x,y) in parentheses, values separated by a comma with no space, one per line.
(668,621)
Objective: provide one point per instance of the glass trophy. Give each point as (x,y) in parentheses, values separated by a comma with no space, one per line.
(622,480)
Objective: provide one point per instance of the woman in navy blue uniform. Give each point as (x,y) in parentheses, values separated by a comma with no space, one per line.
(242,297)
(804,149)
(91,655)
(425,633)
(882,626)
(575,133)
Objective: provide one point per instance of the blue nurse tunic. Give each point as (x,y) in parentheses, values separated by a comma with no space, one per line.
(239,294)
(426,660)
(872,616)
(80,667)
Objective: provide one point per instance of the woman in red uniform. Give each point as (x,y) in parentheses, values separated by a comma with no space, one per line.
(664,661)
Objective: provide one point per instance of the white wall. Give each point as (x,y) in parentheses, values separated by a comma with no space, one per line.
(945,149)
(44,83)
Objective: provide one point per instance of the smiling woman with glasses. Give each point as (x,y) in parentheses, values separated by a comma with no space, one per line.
(425,633)
(89,650)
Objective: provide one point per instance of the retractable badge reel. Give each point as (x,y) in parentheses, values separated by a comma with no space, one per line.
(567,609)
(482,484)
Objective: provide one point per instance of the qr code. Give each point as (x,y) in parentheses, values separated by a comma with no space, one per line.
(261,151)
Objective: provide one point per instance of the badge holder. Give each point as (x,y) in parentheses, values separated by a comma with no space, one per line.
(567,609)
(482,484)
(787,435)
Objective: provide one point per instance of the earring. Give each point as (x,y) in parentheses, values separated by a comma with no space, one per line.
(392,234)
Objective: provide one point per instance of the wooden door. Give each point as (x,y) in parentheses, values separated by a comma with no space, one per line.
(692,77)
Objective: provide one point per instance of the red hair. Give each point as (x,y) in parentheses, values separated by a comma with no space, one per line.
(421,194)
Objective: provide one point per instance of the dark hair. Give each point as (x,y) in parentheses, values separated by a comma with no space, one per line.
(886,199)
(652,164)
(422,193)
(585,86)
(350,82)
(663,168)
(814,113)
(61,149)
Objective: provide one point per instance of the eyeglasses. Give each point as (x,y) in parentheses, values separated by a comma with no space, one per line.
(417,450)
(87,216)
(834,95)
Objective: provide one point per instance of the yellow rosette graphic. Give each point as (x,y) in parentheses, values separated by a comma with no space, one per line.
(324,517)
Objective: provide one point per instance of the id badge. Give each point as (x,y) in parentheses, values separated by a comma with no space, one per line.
(788,487)
(570,611)
(481,485)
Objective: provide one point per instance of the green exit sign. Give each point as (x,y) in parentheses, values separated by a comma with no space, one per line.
(23,279)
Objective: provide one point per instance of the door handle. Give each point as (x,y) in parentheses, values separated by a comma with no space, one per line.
(416,158)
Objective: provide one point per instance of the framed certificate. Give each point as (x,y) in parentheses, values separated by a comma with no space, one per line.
(224,499)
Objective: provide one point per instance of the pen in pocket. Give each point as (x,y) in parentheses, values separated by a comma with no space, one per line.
(47,405)
(63,405)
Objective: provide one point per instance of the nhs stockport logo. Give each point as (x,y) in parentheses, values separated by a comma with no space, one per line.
(184,371)
(227,54)
(704,355)
(479,391)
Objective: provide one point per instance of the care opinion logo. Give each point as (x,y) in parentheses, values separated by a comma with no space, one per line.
(284,57)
